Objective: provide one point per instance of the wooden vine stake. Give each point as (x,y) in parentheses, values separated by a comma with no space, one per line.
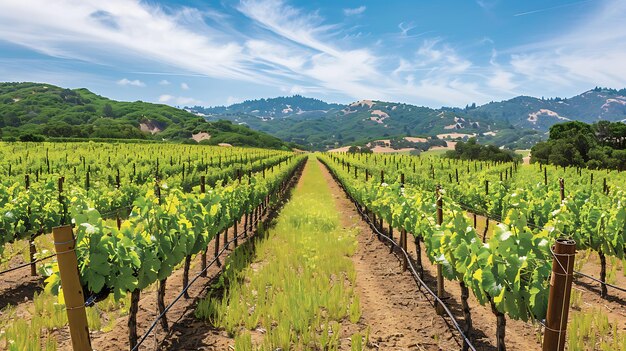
(64,245)
(203,260)
(440,287)
(559,297)
(31,241)
(162,282)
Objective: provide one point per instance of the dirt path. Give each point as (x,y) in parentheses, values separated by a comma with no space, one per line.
(399,289)
(399,316)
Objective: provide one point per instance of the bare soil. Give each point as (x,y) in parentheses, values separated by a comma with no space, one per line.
(399,316)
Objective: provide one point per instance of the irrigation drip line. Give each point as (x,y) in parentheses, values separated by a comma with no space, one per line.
(413,270)
(542,228)
(27,264)
(421,282)
(530,225)
(182,293)
(599,281)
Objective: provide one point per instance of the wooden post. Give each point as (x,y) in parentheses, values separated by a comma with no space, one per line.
(186,275)
(235,235)
(62,201)
(226,238)
(203,258)
(562,189)
(64,245)
(440,287)
(404,247)
(545,176)
(559,296)
(217,249)
(31,241)
(161,303)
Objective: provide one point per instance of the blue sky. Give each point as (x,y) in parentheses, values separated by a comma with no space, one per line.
(432,53)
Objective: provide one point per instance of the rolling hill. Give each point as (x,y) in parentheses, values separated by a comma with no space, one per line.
(44,109)
(517,123)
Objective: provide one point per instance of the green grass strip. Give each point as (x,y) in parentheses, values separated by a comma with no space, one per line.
(297,288)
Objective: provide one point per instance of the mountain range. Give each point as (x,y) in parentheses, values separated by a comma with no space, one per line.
(284,122)
(516,123)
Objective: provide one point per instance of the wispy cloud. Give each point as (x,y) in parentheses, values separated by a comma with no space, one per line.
(550,8)
(589,54)
(97,31)
(487,4)
(136,82)
(405,28)
(354,11)
(275,44)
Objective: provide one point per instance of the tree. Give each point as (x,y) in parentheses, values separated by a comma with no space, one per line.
(107,111)
(32,138)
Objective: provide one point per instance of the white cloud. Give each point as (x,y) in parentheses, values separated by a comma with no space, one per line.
(165,98)
(502,80)
(178,100)
(136,82)
(288,48)
(181,100)
(354,11)
(98,31)
(232,100)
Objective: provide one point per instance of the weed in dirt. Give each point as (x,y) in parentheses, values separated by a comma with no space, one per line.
(576,299)
(593,331)
(355,310)
(356,342)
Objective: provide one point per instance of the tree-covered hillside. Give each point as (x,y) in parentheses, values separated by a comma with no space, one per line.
(280,107)
(516,123)
(54,112)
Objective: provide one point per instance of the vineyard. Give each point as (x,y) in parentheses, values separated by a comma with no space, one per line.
(164,246)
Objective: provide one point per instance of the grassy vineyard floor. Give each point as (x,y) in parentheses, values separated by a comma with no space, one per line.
(296,290)
(357,297)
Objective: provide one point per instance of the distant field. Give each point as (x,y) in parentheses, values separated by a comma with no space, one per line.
(436,152)
(525,154)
